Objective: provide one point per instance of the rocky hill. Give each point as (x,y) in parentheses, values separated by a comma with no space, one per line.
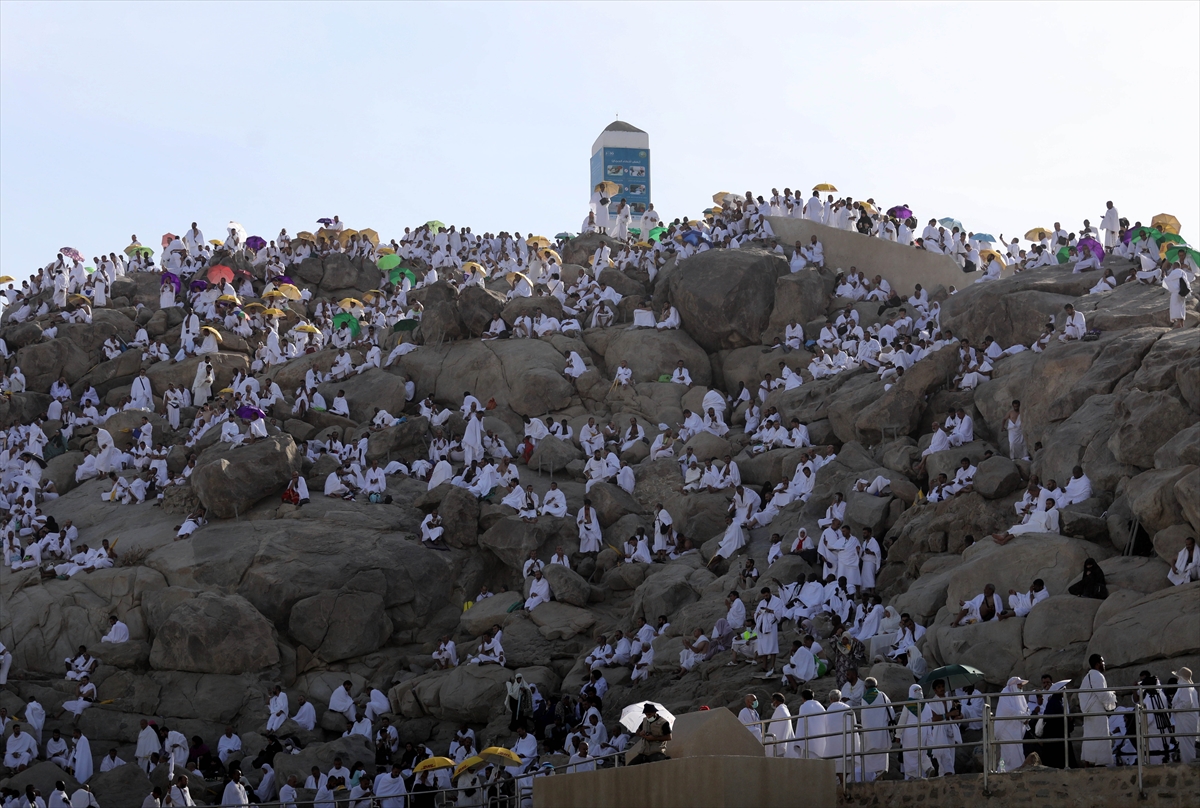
(308,597)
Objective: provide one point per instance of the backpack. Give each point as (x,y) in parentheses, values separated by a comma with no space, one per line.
(1184,291)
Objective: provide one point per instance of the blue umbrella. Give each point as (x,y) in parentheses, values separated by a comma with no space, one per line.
(692,237)
(950,222)
(984,237)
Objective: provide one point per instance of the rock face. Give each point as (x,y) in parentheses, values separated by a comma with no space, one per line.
(230,482)
(308,596)
(725,297)
(214,634)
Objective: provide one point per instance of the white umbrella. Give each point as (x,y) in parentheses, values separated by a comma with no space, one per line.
(631,716)
(234,227)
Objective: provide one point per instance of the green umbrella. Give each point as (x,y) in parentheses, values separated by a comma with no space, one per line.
(405,325)
(565,235)
(656,232)
(1063,254)
(394,275)
(434,225)
(1181,252)
(635,231)
(89,270)
(387,262)
(1142,232)
(346,318)
(955,676)
(1169,238)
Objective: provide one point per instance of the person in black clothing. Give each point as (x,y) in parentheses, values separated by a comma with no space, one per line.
(1092,584)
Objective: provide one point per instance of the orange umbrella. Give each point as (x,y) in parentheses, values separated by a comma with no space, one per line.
(220,274)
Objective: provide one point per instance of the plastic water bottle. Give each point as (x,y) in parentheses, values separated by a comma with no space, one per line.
(1003,768)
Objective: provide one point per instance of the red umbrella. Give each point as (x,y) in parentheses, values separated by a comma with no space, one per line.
(72,253)
(220,274)
(167,239)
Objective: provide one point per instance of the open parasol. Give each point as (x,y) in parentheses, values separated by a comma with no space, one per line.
(347,319)
(220,274)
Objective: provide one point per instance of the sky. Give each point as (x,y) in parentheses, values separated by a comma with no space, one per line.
(139,118)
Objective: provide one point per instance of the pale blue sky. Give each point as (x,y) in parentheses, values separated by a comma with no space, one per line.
(121,118)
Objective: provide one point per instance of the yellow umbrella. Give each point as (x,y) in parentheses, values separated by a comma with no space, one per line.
(500,756)
(229,298)
(81,298)
(387,251)
(719,197)
(538,241)
(225,390)
(983,254)
(433,764)
(1166,223)
(308,329)
(327,234)
(213,331)
(274,313)
(7,279)
(694,222)
(592,261)
(548,253)
(470,764)
(644,245)
(868,207)
(825,186)
(473,266)
(1039,233)
(289,291)
(370,235)
(215,243)
(717,209)
(349,303)
(304,235)
(253,306)
(512,276)
(373,293)
(607,188)
(274,294)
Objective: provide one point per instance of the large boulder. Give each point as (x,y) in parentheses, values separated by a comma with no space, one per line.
(124,785)
(611,503)
(1148,421)
(561,621)
(349,749)
(898,411)
(553,455)
(725,297)
(340,625)
(404,441)
(997,477)
(213,633)
(567,586)
(367,391)
(477,307)
(1055,559)
(800,297)
(1059,621)
(488,612)
(231,480)
(1152,497)
(651,353)
(524,375)
(993,647)
(43,363)
(459,510)
(1163,625)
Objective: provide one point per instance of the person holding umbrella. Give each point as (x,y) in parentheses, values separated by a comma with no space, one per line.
(652,738)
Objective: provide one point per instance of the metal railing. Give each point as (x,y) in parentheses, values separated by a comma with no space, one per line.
(851,757)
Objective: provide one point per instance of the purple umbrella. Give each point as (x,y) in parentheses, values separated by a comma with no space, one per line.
(325,221)
(1093,245)
(284,279)
(247,412)
(900,212)
(256,243)
(173,278)
(198,285)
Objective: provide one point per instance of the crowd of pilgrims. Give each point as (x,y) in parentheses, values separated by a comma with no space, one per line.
(254,305)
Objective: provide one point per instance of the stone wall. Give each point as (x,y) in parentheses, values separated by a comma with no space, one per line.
(714,782)
(900,265)
(1172,785)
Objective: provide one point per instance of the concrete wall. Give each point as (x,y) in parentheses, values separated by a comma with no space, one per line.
(903,267)
(716,782)
(1176,784)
